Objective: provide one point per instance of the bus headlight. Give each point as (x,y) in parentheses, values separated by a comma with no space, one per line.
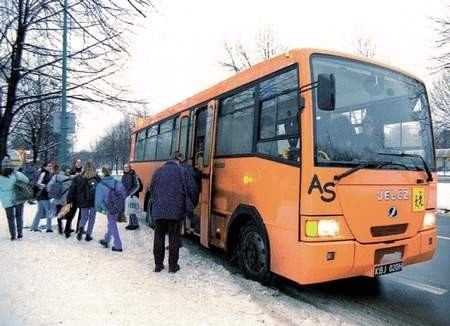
(429,220)
(322,228)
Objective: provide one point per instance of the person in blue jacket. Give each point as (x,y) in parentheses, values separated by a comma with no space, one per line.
(13,206)
(101,198)
(168,208)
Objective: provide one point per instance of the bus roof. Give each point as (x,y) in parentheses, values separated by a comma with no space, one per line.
(250,74)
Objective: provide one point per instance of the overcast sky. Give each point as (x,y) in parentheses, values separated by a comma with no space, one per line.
(176,53)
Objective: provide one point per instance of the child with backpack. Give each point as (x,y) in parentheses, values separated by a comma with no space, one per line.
(110,200)
(57,189)
(82,195)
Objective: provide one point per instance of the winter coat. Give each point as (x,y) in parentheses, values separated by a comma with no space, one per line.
(102,191)
(66,182)
(75,171)
(79,193)
(41,184)
(167,193)
(7,188)
(131,183)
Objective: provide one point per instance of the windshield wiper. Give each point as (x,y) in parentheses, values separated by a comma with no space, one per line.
(425,165)
(374,164)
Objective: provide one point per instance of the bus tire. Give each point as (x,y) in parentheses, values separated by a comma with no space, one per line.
(253,254)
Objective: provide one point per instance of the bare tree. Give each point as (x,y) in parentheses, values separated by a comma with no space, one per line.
(32,127)
(30,46)
(364,46)
(440,105)
(33,131)
(239,57)
(443,43)
(114,147)
(267,45)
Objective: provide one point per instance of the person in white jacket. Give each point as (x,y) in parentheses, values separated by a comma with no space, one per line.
(12,205)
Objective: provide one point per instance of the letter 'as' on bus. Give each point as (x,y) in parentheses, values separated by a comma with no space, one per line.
(327,188)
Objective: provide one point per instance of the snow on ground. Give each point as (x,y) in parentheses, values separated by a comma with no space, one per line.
(46,279)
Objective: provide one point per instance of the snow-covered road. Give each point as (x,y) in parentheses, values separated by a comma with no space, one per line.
(48,280)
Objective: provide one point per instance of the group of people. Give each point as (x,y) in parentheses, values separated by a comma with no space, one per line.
(174,190)
(78,187)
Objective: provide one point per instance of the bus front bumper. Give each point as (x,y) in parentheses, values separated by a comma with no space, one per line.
(351,258)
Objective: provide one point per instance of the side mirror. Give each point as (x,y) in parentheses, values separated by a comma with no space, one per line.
(326,92)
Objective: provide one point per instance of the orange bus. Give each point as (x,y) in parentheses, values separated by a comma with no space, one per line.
(316,166)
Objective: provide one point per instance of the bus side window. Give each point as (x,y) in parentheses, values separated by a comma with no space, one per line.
(279,128)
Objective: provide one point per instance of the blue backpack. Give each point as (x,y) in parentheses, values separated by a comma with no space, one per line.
(115,202)
(56,190)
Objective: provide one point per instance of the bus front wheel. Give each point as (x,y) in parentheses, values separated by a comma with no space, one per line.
(254,254)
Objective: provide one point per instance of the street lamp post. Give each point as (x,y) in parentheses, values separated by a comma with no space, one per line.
(62,154)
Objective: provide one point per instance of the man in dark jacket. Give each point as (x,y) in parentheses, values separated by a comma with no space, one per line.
(42,199)
(75,170)
(168,209)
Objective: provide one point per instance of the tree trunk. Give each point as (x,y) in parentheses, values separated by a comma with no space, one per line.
(14,78)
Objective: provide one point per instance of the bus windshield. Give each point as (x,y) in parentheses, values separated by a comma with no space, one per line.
(381,115)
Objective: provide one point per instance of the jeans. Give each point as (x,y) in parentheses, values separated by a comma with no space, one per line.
(87,214)
(16,212)
(44,210)
(113,231)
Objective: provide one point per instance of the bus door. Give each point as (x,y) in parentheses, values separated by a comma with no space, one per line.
(205,118)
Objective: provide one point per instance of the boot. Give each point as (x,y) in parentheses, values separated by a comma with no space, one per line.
(174,269)
(159,268)
(60,228)
(103,243)
(80,234)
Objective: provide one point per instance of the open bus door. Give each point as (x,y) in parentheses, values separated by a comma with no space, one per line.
(205,120)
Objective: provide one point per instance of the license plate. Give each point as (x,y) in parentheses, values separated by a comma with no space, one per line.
(388,268)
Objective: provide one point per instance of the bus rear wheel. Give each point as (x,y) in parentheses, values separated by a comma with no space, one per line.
(254,254)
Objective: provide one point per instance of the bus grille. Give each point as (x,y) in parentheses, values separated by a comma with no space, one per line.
(381,231)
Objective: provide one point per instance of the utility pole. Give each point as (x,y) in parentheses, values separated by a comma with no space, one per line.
(62,153)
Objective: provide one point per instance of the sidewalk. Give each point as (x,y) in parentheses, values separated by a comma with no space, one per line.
(46,279)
